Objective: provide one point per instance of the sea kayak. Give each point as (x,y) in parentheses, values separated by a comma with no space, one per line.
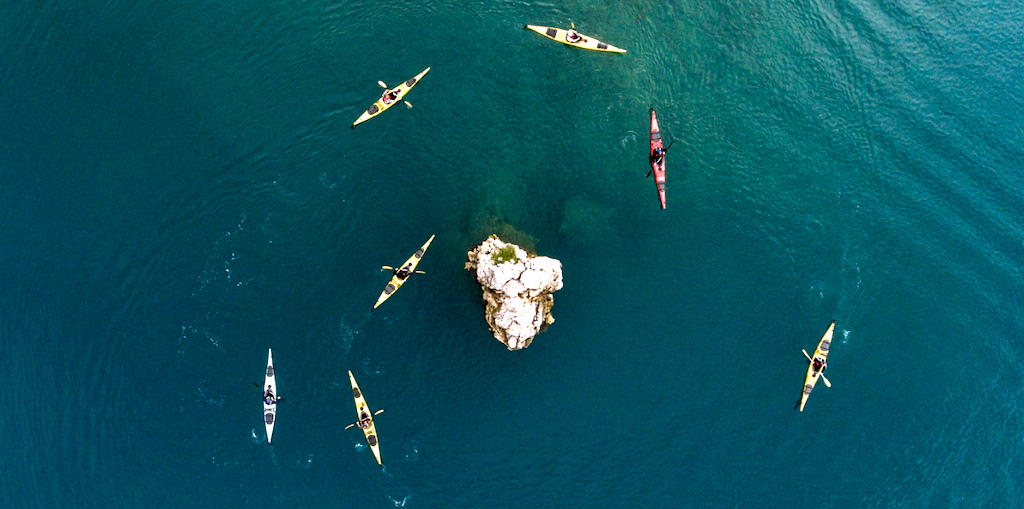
(270,410)
(815,370)
(379,106)
(365,418)
(657,167)
(396,281)
(585,42)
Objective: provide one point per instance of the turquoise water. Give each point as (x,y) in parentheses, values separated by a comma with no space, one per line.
(181,191)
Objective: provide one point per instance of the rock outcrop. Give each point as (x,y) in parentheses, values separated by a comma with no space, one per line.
(517,290)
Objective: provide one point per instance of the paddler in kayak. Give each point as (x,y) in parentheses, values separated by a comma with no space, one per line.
(389,96)
(819,364)
(268,397)
(403,272)
(658,156)
(364,421)
(572,36)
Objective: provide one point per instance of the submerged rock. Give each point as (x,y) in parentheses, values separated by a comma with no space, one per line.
(517,290)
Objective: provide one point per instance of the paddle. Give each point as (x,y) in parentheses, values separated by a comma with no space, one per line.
(392,268)
(822,375)
(378,412)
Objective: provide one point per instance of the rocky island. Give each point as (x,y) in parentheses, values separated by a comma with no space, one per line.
(517,290)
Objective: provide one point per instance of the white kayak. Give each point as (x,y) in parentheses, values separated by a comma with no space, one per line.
(270,409)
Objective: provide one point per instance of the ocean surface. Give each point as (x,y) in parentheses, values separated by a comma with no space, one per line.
(180,191)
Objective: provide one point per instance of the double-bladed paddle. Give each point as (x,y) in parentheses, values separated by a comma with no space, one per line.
(378,412)
(392,268)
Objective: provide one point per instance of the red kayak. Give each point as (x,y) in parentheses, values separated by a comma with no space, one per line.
(657,165)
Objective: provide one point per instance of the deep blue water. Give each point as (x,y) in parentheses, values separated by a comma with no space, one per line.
(180,190)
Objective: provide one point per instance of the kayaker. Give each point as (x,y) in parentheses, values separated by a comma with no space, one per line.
(658,156)
(268,397)
(819,364)
(365,422)
(389,96)
(572,36)
(403,272)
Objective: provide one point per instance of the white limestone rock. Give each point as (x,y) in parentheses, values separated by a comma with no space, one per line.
(517,290)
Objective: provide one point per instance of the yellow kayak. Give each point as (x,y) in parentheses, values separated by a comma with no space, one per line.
(584,41)
(365,417)
(403,273)
(390,98)
(818,364)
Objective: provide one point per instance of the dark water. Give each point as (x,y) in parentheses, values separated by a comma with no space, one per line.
(181,191)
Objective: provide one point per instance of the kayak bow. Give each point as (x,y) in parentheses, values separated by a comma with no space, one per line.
(657,168)
(378,107)
(270,381)
(397,282)
(363,415)
(819,353)
(585,42)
